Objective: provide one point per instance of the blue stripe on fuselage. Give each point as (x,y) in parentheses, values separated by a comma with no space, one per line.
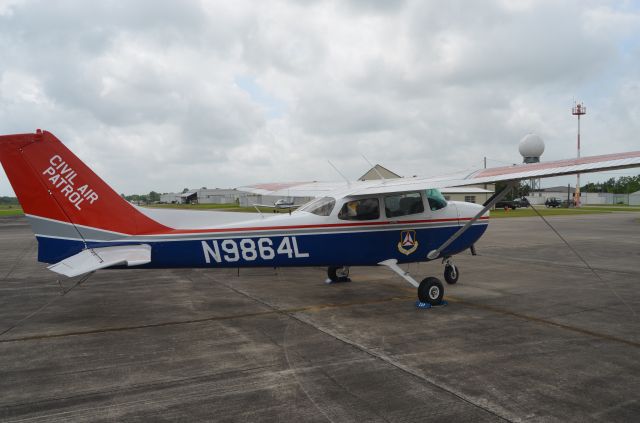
(352,248)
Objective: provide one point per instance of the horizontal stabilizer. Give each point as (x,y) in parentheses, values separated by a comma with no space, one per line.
(99,258)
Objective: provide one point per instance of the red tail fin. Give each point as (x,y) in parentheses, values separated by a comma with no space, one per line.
(51,182)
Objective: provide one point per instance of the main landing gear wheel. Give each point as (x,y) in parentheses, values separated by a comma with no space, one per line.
(338,273)
(451,273)
(430,291)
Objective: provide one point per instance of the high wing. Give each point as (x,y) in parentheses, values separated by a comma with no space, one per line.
(481,176)
(295,189)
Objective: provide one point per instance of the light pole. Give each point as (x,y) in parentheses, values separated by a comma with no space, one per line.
(578,110)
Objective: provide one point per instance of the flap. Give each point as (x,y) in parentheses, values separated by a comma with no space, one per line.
(99,258)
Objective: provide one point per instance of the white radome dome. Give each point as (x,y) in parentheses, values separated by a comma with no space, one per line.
(531,146)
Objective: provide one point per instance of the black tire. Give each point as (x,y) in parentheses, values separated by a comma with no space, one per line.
(337,273)
(430,291)
(451,274)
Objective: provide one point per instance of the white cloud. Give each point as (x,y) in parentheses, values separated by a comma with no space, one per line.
(162,94)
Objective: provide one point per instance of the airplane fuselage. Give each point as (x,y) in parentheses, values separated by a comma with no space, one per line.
(299,239)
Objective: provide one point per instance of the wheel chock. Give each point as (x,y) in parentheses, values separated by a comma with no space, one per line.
(420,304)
(339,280)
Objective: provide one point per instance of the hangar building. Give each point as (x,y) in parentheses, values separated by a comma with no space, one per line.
(561,192)
(203,196)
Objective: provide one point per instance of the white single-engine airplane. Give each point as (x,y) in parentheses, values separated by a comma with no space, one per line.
(83,225)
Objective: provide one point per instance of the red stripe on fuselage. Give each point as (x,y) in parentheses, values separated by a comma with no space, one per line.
(328,225)
(292,227)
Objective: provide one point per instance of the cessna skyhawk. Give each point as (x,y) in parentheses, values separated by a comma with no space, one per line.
(83,225)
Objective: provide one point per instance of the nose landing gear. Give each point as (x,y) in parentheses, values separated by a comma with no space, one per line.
(338,274)
(451,272)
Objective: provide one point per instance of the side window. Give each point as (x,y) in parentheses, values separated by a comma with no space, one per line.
(322,206)
(436,200)
(470,198)
(403,204)
(362,209)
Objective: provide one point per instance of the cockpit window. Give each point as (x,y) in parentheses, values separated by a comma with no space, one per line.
(361,209)
(322,206)
(403,204)
(436,199)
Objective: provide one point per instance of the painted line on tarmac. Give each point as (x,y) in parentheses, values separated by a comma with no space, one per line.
(546,263)
(543,321)
(287,311)
(328,306)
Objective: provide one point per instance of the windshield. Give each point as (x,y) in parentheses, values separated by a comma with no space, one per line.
(322,206)
(436,199)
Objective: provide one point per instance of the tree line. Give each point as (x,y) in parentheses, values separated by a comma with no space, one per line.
(621,185)
(152,197)
(9,201)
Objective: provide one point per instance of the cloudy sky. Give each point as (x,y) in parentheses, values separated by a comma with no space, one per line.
(163,95)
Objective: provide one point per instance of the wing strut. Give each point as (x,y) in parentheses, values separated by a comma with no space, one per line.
(434,254)
(393,265)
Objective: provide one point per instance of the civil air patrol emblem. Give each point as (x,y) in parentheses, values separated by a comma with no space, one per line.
(408,242)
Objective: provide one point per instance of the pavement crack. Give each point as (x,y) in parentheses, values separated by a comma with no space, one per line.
(21,255)
(376,355)
(407,370)
(271,311)
(545,263)
(162,394)
(545,321)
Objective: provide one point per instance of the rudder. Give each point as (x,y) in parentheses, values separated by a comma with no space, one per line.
(57,190)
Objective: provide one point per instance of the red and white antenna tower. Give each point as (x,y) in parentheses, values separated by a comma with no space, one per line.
(578,109)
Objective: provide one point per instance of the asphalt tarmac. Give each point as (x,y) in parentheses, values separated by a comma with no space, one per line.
(529,334)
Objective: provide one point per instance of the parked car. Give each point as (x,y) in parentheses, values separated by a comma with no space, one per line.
(553,202)
(284,203)
(521,202)
(506,204)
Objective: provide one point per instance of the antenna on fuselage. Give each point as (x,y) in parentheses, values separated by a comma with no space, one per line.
(340,173)
(375,169)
